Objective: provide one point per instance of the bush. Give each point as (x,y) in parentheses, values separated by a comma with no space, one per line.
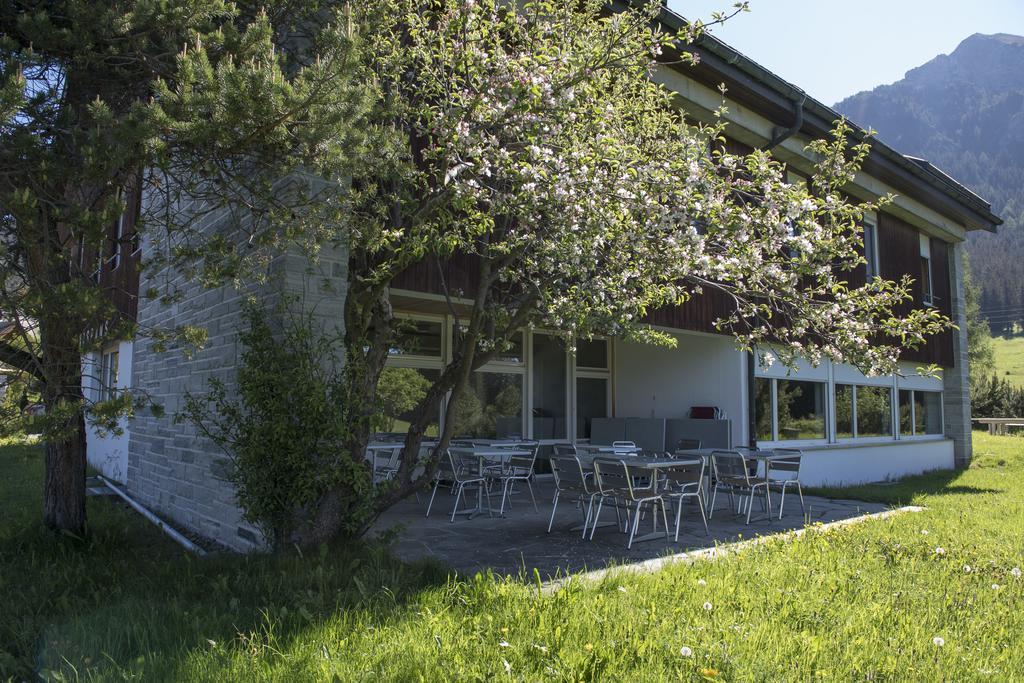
(285,433)
(994,397)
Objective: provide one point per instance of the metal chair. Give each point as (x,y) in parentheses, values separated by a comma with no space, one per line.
(456,470)
(516,468)
(389,470)
(688,445)
(785,472)
(733,472)
(624,447)
(686,481)
(570,478)
(564,449)
(614,479)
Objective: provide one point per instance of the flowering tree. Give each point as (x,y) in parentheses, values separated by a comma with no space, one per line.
(530,141)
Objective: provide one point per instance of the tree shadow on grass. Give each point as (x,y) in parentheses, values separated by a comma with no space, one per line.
(128,602)
(907,490)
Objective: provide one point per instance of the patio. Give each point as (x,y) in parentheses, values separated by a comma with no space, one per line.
(519,542)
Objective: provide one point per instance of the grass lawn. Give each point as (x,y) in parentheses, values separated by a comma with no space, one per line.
(868,602)
(1009,359)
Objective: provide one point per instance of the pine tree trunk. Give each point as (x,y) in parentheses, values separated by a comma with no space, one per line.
(64,488)
(64,484)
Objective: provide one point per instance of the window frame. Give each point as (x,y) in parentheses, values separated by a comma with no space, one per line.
(873,264)
(927,281)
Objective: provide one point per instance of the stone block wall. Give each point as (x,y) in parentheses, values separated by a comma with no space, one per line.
(956,382)
(172,469)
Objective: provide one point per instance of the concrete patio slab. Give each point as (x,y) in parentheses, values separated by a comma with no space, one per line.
(519,543)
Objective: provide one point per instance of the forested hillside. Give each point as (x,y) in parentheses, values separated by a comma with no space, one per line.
(964,112)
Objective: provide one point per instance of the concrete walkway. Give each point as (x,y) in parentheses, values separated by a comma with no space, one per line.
(519,542)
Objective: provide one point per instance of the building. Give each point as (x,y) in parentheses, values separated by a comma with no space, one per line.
(852,428)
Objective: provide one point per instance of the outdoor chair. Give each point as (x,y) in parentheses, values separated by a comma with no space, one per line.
(390,469)
(783,473)
(459,472)
(564,449)
(571,479)
(686,481)
(624,447)
(516,468)
(733,473)
(614,479)
(688,445)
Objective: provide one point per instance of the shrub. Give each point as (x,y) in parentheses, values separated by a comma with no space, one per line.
(285,426)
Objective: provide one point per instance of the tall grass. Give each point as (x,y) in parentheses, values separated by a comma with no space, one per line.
(920,596)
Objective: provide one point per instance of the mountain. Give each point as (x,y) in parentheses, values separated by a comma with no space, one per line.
(964,112)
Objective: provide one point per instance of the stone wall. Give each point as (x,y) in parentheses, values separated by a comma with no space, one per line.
(956,383)
(173,470)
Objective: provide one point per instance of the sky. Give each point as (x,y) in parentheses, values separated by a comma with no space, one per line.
(832,48)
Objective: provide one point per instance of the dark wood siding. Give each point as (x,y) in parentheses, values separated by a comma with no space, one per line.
(899,254)
(120,280)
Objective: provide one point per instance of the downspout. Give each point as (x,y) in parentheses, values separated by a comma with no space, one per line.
(779,135)
(174,534)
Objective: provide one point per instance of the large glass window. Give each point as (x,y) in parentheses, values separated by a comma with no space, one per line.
(844,411)
(763,408)
(800,409)
(550,398)
(492,406)
(927,412)
(920,412)
(874,411)
(592,353)
(591,402)
(418,338)
(400,391)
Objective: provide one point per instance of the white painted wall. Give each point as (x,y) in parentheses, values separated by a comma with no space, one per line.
(109,453)
(703,370)
(842,464)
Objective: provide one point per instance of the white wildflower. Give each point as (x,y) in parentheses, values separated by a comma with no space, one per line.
(701,582)
(708,606)
(1015,572)
(685,651)
(967,569)
(995,586)
(939,641)
(503,643)
(940,551)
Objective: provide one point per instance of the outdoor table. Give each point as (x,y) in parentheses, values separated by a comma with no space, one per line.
(599,449)
(501,443)
(483,454)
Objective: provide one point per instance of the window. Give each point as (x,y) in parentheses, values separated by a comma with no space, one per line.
(592,353)
(927,297)
(863,411)
(400,391)
(591,402)
(873,407)
(114,260)
(920,412)
(550,394)
(844,411)
(492,406)
(418,338)
(800,409)
(413,365)
(871,249)
(107,376)
(789,410)
(592,382)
